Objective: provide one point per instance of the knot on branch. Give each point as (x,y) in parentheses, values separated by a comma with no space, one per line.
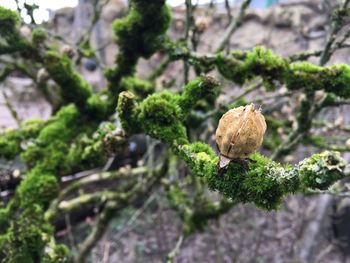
(321,170)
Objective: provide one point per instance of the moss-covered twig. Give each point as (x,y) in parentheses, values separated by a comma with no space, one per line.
(264,184)
(137,36)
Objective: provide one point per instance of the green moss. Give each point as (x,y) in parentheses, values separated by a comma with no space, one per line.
(200,157)
(128,110)
(321,170)
(73,87)
(10,140)
(86,50)
(303,75)
(204,87)
(49,156)
(39,35)
(9,20)
(232,69)
(263,62)
(38,188)
(27,237)
(139,34)
(10,144)
(92,151)
(306,76)
(245,66)
(160,117)
(98,106)
(59,254)
(265,183)
(6,215)
(49,150)
(336,79)
(141,88)
(11,40)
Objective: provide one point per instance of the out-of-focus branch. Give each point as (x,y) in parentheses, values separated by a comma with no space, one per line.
(11,108)
(113,205)
(55,208)
(234,25)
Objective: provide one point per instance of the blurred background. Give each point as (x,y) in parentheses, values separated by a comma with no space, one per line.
(305,229)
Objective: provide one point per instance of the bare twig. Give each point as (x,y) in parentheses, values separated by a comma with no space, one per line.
(176,250)
(228,11)
(11,108)
(234,25)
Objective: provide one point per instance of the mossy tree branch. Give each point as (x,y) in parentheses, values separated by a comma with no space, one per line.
(139,34)
(264,184)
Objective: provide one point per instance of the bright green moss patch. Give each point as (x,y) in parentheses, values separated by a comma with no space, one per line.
(200,157)
(141,88)
(10,144)
(49,150)
(39,35)
(57,254)
(92,151)
(232,69)
(265,183)
(128,111)
(137,36)
(10,140)
(263,62)
(274,70)
(9,20)
(38,188)
(204,87)
(161,115)
(27,237)
(73,87)
(158,115)
(161,118)
(49,156)
(137,31)
(98,106)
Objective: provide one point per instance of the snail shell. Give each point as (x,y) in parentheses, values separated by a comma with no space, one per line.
(240,132)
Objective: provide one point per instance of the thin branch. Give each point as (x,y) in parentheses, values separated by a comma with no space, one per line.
(54,208)
(172,254)
(234,25)
(228,11)
(160,69)
(11,108)
(140,189)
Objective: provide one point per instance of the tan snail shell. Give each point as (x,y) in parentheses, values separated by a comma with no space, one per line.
(240,132)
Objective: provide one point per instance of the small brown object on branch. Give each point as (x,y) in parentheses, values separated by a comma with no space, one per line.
(67,50)
(42,75)
(240,132)
(201,24)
